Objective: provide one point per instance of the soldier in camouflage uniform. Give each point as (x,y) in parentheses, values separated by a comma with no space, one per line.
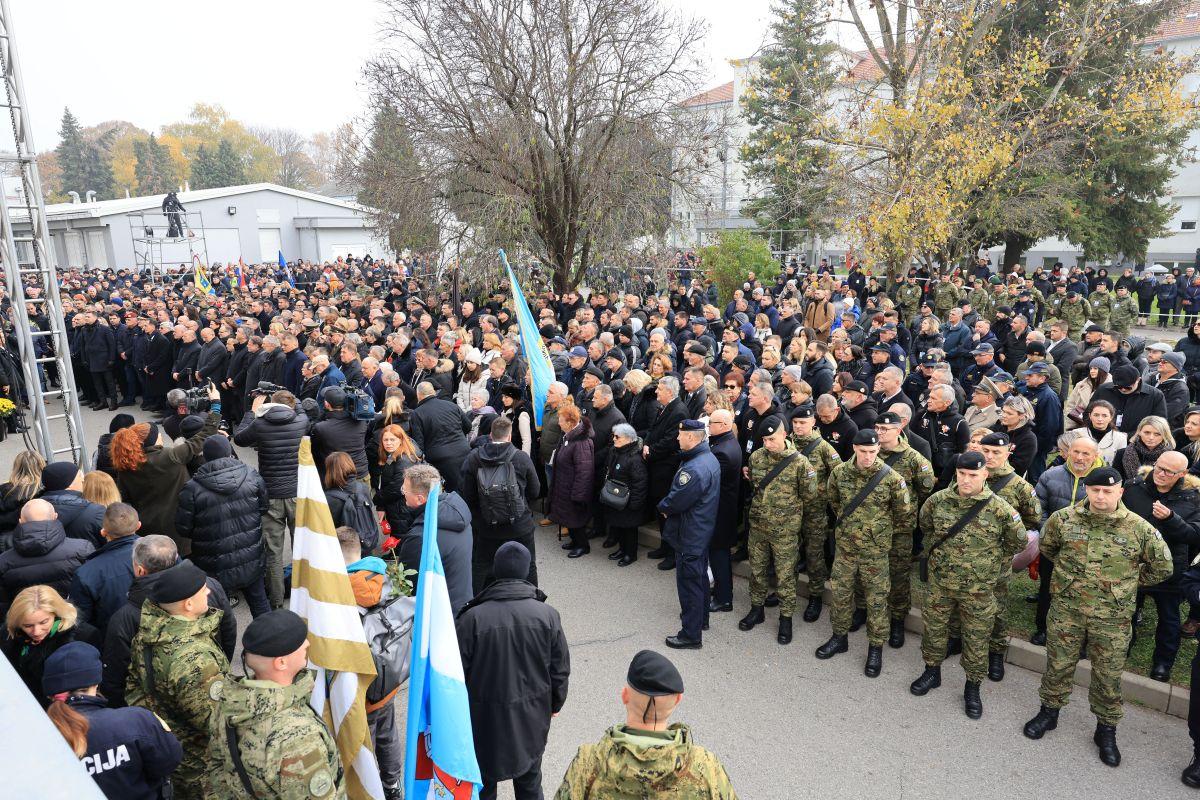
(646,756)
(823,458)
(776,519)
(863,540)
(963,562)
(945,297)
(1100,306)
(1055,302)
(177,640)
(1074,312)
(980,300)
(1124,311)
(1102,553)
(283,749)
(908,298)
(918,475)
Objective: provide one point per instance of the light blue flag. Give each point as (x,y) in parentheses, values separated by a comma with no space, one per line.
(536,355)
(439,756)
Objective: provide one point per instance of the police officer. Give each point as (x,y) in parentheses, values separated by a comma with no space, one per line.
(265,740)
(690,509)
(646,756)
(128,751)
(1101,551)
(782,483)
(969,530)
(870,502)
(815,533)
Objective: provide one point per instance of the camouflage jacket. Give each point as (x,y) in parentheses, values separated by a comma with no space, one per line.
(286,750)
(889,508)
(970,558)
(631,764)
(980,301)
(945,297)
(913,467)
(1075,315)
(1124,313)
(1020,495)
(793,491)
(823,457)
(908,298)
(189,667)
(1100,307)
(1101,559)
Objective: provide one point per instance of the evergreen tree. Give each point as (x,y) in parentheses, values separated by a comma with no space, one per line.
(97,168)
(156,173)
(71,153)
(204,169)
(390,174)
(784,103)
(229,165)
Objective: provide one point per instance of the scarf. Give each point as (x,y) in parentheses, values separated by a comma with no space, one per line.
(1137,454)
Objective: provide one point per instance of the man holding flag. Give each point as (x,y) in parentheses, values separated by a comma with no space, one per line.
(534,349)
(200,277)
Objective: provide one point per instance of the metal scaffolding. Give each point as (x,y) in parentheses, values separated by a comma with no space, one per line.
(33,281)
(155,251)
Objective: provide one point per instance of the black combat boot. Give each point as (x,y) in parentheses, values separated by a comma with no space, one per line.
(858,620)
(953,646)
(874,663)
(995,666)
(659,552)
(972,702)
(812,611)
(1105,738)
(785,630)
(931,678)
(772,600)
(836,644)
(896,635)
(1046,720)
(755,617)
(1191,775)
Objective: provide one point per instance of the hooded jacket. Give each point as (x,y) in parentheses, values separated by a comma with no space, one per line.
(275,431)
(221,511)
(492,453)
(455,543)
(80,518)
(41,553)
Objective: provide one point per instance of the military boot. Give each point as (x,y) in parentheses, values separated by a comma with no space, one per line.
(896,635)
(836,644)
(1105,738)
(874,663)
(931,678)
(785,630)
(972,702)
(755,617)
(812,611)
(995,666)
(1046,720)
(858,620)
(953,646)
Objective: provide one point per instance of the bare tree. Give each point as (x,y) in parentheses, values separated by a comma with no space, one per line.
(294,167)
(549,124)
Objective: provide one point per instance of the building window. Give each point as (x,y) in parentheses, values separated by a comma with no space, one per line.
(1187,225)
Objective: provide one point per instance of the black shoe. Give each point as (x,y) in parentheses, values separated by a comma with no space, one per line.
(772,600)
(568,545)
(112,404)
(755,617)
(704,627)
(715,608)
(679,643)
(1105,738)
(625,561)
(972,702)
(1038,638)
(953,646)
(147,407)
(610,541)
(785,630)
(931,678)
(995,666)
(658,552)
(129,402)
(1191,775)
(896,634)
(579,551)
(95,406)
(1046,720)
(858,620)
(741,554)
(1160,672)
(836,644)
(874,663)
(614,555)
(666,564)
(393,792)
(812,611)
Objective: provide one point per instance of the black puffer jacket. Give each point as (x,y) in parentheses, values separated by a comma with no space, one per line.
(41,554)
(275,431)
(80,518)
(221,510)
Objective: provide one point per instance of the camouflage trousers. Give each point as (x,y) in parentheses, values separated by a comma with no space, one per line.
(999,640)
(899,599)
(768,545)
(868,570)
(1107,641)
(814,537)
(976,608)
(190,778)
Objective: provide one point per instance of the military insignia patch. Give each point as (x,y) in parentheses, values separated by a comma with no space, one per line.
(320,784)
(214,690)
(684,478)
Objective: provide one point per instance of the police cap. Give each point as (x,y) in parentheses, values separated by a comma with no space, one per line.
(691,425)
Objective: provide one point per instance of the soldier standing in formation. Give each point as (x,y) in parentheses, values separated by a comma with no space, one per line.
(815,532)
(870,502)
(1102,552)
(968,532)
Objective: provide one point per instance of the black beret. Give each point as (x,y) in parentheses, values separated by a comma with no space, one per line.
(888,418)
(276,633)
(691,425)
(804,411)
(1104,476)
(970,460)
(177,583)
(653,675)
(771,424)
(867,436)
(996,440)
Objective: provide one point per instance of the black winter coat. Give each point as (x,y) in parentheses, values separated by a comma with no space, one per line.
(99,349)
(439,428)
(213,362)
(625,464)
(1181,530)
(643,410)
(574,470)
(491,453)
(663,441)
(729,456)
(29,659)
(100,585)
(340,431)
(152,751)
(516,665)
(389,497)
(455,544)
(221,510)
(1133,408)
(10,513)
(839,434)
(80,518)
(275,431)
(1025,446)
(603,423)
(41,554)
(1190,347)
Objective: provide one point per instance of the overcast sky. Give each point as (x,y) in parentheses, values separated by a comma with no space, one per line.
(293,64)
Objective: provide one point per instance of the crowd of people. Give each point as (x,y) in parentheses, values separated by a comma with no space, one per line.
(841,430)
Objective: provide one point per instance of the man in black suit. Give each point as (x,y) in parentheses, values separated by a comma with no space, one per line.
(1063,352)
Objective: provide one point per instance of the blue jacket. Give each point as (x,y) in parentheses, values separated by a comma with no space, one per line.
(957,343)
(691,504)
(130,753)
(101,584)
(1167,294)
(1047,419)
(80,517)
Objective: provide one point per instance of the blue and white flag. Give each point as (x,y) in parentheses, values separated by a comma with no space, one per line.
(536,355)
(287,271)
(439,756)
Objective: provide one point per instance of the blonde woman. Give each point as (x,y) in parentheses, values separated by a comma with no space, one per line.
(99,487)
(40,621)
(1152,439)
(24,483)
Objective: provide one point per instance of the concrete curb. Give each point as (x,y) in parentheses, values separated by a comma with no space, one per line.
(1165,697)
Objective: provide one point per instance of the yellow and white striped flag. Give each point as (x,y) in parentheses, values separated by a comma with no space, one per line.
(338,649)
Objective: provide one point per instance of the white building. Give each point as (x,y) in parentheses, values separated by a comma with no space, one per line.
(723,193)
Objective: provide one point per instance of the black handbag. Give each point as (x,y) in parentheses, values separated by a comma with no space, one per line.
(615,494)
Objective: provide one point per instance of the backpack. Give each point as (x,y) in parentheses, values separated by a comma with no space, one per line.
(500,499)
(359,513)
(388,626)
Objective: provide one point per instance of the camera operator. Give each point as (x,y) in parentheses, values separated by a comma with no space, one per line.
(339,430)
(177,409)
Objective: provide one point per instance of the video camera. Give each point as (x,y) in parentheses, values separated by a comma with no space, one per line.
(197,400)
(359,404)
(266,389)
